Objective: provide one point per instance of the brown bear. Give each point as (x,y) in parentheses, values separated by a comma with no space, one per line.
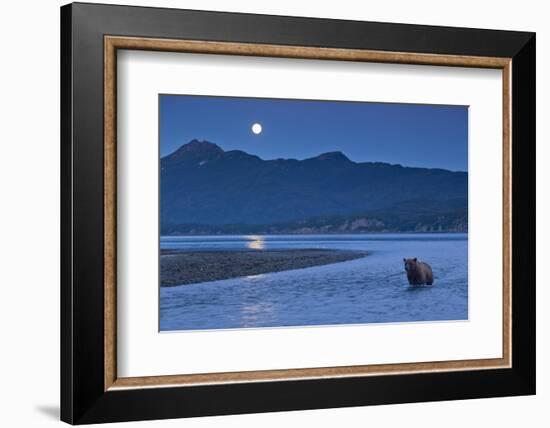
(418,273)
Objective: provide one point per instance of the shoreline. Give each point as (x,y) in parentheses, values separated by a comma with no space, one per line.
(190,267)
(384,232)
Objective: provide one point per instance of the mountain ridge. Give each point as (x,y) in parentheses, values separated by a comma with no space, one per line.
(209,147)
(201,184)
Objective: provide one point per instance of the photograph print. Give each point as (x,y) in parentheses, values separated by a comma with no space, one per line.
(296,213)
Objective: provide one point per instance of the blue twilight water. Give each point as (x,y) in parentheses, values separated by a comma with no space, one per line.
(372,289)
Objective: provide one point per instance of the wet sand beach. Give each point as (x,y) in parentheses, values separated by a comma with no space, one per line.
(188,267)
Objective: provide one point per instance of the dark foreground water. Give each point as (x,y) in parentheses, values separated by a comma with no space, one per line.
(373,289)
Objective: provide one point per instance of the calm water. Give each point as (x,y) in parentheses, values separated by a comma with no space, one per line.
(373,289)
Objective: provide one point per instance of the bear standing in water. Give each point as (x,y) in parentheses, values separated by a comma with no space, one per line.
(418,273)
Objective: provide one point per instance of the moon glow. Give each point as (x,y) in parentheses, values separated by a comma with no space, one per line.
(257,128)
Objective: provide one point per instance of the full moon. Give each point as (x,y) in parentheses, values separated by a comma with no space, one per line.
(257,128)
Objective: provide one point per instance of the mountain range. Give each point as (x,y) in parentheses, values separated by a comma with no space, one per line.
(205,189)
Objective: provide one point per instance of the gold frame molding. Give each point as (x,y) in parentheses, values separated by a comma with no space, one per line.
(113,43)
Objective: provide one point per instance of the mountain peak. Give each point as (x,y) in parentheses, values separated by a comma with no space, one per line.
(199,146)
(332,156)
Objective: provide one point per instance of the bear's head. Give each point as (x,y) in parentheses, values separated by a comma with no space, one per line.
(410,264)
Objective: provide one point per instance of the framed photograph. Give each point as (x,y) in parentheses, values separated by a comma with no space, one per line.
(266,213)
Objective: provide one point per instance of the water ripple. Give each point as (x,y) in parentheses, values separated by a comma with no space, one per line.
(373,289)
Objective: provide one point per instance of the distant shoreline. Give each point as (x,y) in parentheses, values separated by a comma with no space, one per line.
(189,267)
(174,235)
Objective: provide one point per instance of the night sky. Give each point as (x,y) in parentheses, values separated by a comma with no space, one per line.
(432,136)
